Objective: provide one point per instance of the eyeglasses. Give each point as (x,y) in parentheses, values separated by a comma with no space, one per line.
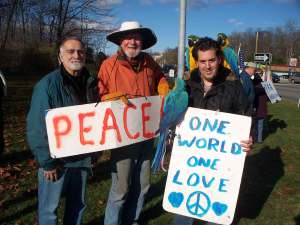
(72,51)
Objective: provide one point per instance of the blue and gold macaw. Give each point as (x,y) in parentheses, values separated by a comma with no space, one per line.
(175,105)
(190,61)
(230,57)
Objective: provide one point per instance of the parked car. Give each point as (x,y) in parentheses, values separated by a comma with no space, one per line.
(284,79)
(275,78)
(169,70)
(295,78)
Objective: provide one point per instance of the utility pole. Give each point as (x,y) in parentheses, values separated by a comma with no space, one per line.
(256,42)
(181,46)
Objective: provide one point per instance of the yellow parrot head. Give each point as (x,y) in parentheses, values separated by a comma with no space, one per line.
(192,39)
(223,40)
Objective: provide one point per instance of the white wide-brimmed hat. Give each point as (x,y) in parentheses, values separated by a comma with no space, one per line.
(251,64)
(127,27)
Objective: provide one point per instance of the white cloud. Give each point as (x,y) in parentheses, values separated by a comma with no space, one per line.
(231,20)
(194,3)
(227,1)
(109,2)
(206,3)
(203,2)
(113,2)
(197,3)
(235,22)
(167,1)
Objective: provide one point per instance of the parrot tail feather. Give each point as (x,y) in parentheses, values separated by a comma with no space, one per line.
(160,150)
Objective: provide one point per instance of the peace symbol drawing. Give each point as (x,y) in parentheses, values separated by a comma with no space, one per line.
(198,203)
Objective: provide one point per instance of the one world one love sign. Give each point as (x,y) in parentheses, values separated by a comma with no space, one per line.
(90,128)
(206,165)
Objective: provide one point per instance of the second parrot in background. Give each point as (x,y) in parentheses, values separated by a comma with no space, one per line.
(230,57)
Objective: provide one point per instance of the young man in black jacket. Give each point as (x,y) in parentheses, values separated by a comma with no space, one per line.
(210,87)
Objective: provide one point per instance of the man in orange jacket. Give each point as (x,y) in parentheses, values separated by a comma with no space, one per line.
(130,73)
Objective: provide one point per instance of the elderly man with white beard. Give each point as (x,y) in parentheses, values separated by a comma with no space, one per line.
(130,73)
(69,85)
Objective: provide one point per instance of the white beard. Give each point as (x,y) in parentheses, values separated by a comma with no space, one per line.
(76,66)
(132,54)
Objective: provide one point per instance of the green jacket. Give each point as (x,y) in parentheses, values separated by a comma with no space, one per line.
(57,89)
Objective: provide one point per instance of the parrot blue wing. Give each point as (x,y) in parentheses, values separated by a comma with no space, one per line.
(187,58)
(175,105)
(160,150)
(232,60)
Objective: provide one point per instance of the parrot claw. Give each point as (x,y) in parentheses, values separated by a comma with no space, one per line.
(116,96)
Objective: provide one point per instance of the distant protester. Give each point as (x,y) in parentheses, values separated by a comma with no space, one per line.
(260,108)
(71,84)
(245,77)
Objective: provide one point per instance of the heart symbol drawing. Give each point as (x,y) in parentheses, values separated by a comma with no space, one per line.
(175,198)
(219,208)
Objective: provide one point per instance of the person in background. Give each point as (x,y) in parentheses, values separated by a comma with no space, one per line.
(246,77)
(71,84)
(260,107)
(209,88)
(130,73)
(267,73)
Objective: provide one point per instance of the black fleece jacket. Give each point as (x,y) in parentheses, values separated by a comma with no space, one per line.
(226,94)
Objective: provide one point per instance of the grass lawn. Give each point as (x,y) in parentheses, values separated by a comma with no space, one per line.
(270,191)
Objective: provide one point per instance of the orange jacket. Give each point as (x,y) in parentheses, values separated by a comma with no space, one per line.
(117,75)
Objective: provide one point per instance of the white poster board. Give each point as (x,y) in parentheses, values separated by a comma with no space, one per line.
(206,165)
(271,91)
(90,128)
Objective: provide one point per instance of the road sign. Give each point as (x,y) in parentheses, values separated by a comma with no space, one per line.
(264,58)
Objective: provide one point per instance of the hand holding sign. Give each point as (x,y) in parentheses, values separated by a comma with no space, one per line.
(108,125)
(207,164)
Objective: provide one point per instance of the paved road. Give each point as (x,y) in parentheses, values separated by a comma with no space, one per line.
(289,91)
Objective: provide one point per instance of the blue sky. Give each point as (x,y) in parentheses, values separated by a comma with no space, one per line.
(203,17)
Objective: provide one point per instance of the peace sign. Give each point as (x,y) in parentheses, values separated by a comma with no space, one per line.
(198,203)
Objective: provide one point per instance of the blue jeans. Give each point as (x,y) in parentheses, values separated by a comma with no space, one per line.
(259,129)
(183,220)
(130,183)
(71,183)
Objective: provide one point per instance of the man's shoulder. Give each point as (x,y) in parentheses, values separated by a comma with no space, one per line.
(233,85)
(110,59)
(49,79)
(108,63)
(244,74)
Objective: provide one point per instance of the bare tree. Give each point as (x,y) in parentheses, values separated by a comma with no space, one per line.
(50,20)
(283,42)
(11,8)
